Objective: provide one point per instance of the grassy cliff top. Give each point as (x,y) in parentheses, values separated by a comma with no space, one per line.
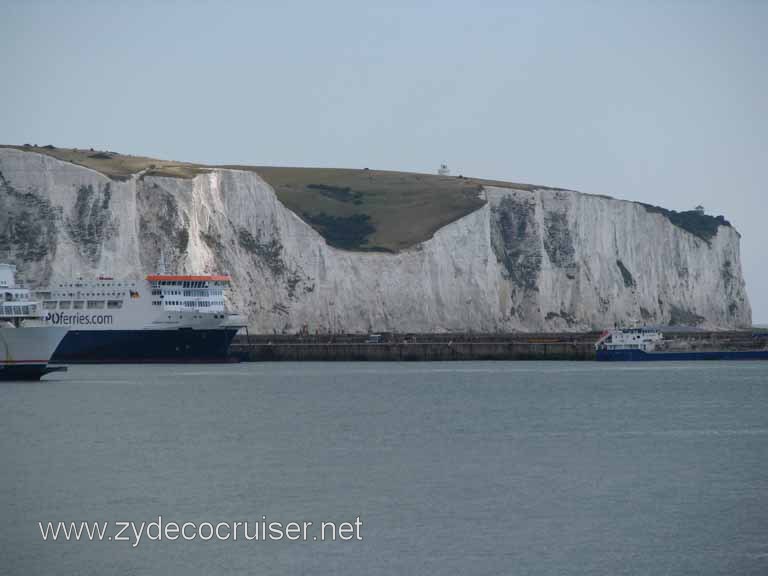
(115,166)
(369,210)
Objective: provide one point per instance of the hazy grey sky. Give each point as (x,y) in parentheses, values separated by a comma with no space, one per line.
(662,102)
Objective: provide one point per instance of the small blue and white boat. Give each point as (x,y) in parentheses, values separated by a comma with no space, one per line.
(648,344)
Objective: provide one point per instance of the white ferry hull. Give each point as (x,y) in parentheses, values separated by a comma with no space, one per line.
(26,351)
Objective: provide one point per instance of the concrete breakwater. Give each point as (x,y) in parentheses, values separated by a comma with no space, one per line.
(468,346)
(387,347)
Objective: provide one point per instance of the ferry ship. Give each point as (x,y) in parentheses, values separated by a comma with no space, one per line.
(161,318)
(27,342)
(646,344)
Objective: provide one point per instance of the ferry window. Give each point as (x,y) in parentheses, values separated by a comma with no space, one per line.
(65,304)
(49,304)
(77,304)
(95,304)
(114,304)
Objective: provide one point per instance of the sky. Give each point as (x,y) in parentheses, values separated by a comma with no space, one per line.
(659,102)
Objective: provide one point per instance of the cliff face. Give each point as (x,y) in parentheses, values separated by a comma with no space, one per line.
(526,260)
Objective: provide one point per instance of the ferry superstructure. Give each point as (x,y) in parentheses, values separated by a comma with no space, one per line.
(27,342)
(647,344)
(161,318)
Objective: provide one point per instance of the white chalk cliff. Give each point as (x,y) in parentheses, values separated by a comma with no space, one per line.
(526,260)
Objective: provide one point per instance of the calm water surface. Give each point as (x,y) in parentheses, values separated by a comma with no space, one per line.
(461,468)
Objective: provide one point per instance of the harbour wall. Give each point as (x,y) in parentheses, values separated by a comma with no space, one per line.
(423,347)
(448,347)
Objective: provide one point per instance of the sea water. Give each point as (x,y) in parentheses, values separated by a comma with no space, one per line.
(448,468)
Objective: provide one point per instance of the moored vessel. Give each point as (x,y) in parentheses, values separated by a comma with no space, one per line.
(27,342)
(161,318)
(649,344)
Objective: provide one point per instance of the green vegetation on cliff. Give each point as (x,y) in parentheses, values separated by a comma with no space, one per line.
(373,209)
(700,225)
